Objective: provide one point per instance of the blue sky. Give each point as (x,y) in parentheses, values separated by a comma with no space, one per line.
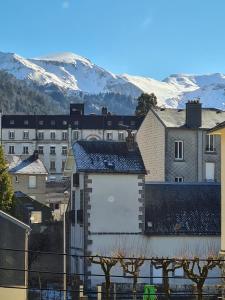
(153,38)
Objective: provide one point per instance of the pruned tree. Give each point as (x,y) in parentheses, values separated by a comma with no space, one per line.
(106,264)
(197,270)
(144,103)
(131,266)
(167,265)
(6,190)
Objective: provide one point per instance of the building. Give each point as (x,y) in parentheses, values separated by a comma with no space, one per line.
(107,195)
(176,146)
(14,264)
(29,176)
(52,135)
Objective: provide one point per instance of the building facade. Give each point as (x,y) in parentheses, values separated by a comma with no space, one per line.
(176,146)
(53,135)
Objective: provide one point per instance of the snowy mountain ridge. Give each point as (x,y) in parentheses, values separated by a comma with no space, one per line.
(68,74)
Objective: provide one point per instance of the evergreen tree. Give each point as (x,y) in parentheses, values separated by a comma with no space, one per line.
(145,102)
(6,191)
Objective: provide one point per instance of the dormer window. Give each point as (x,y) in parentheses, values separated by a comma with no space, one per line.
(26,122)
(52,122)
(64,122)
(11,122)
(41,122)
(76,123)
(132,123)
(120,123)
(109,123)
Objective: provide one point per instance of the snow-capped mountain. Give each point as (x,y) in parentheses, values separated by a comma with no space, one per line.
(67,74)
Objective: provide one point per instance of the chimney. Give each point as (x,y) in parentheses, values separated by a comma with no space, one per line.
(104,111)
(130,141)
(76,109)
(35,154)
(193,114)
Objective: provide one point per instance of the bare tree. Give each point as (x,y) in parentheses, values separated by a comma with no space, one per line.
(131,266)
(106,264)
(167,265)
(197,270)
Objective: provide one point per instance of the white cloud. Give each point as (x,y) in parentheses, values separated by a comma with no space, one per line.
(146,23)
(65,4)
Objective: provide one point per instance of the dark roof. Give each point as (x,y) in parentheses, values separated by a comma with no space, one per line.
(177,117)
(76,122)
(107,157)
(182,209)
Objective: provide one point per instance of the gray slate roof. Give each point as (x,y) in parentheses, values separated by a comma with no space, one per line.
(182,209)
(107,157)
(30,166)
(177,117)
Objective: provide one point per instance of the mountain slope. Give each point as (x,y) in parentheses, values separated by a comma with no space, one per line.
(68,77)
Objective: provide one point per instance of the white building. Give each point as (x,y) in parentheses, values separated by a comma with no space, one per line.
(52,135)
(113,208)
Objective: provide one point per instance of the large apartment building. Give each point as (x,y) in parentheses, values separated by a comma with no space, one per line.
(176,147)
(52,135)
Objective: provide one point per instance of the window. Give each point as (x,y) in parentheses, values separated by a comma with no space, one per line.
(210,143)
(36,217)
(32,182)
(11,134)
(121,136)
(73,199)
(40,135)
(41,149)
(75,135)
(64,135)
(16,179)
(80,211)
(26,135)
(25,150)
(120,123)
(210,171)
(52,165)
(52,150)
(76,179)
(25,122)
(11,122)
(64,122)
(109,135)
(52,122)
(179,150)
(179,179)
(52,135)
(76,123)
(109,123)
(11,150)
(132,123)
(64,150)
(41,122)
(63,164)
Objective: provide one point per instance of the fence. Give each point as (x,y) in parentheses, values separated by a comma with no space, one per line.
(121,285)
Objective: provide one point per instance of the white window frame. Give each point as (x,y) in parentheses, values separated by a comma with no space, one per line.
(11,134)
(179,179)
(64,135)
(210,144)
(52,162)
(26,135)
(32,182)
(64,150)
(52,150)
(75,135)
(121,133)
(108,134)
(52,135)
(11,149)
(180,155)
(41,135)
(25,149)
(40,147)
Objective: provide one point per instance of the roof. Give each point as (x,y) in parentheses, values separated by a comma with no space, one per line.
(182,209)
(218,127)
(109,122)
(31,165)
(14,220)
(107,157)
(177,117)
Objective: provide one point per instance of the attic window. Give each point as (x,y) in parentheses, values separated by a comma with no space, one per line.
(64,122)
(109,123)
(109,164)
(52,122)
(76,123)
(41,122)
(11,122)
(120,123)
(26,122)
(132,123)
